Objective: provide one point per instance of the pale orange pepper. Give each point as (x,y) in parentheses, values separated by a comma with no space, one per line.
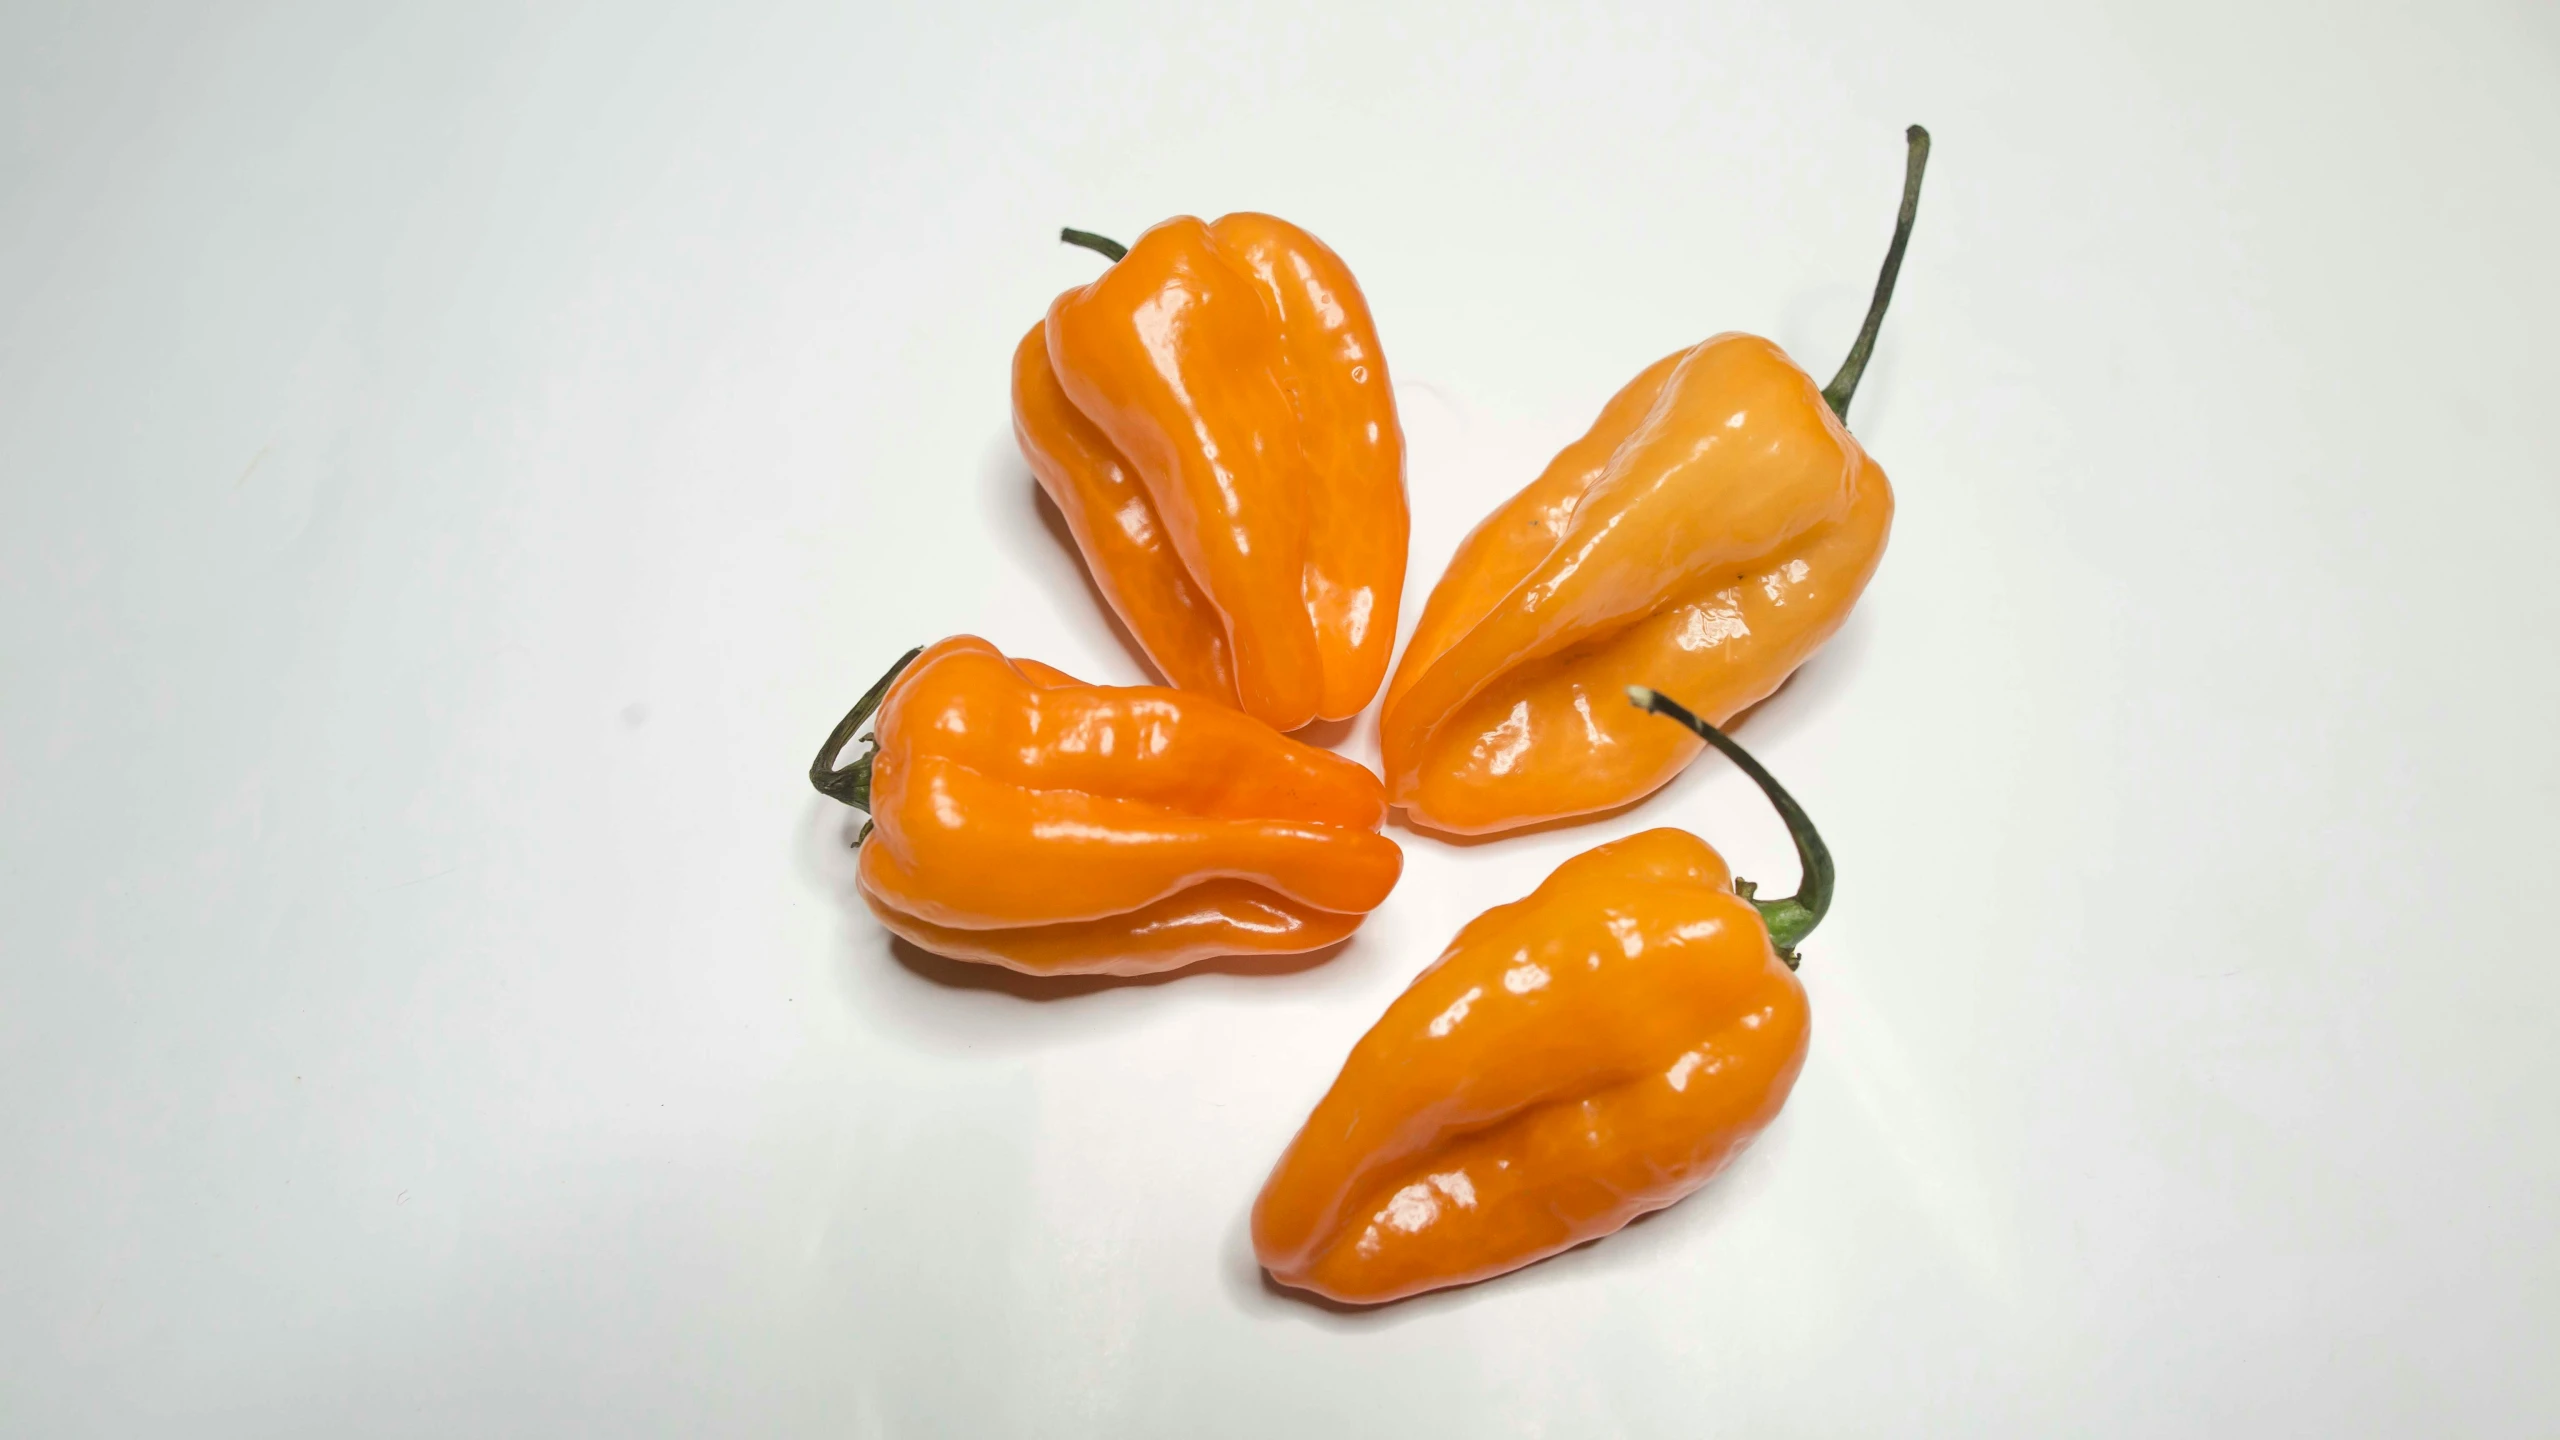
(1706,536)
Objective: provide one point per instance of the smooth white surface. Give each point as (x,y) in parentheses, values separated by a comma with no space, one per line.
(457,466)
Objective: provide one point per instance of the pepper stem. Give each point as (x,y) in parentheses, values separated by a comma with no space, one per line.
(1845,384)
(852,784)
(1791,919)
(1102,245)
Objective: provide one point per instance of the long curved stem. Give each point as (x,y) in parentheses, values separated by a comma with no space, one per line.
(1845,384)
(1102,245)
(1793,918)
(852,783)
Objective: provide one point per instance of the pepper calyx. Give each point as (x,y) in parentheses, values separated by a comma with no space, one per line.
(851,784)
(1790,919)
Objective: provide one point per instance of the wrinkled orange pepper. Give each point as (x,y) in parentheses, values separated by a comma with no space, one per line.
(1707,535)
(1212,416)
(1023,818)
(1573,1060)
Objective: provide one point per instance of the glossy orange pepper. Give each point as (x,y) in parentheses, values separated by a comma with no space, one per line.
(1212,416)
(1707,535)
(1573,1060)
(1023,818)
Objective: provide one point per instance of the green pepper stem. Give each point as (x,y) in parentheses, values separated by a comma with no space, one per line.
(1845,384)
(1102,245)
(1791,919)
(852,784)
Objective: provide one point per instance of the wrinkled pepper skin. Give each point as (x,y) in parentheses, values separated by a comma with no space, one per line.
(1706,536)
(1575,1059)
(1023,818)
(1213,418)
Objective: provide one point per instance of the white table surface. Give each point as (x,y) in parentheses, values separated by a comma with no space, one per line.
(455,466)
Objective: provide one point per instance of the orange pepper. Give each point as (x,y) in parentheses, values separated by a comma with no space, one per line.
(1212,416)
(1023,818)
(1573,1060)
(1708,534)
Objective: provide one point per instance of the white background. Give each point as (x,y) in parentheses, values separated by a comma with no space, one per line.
(457,465)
